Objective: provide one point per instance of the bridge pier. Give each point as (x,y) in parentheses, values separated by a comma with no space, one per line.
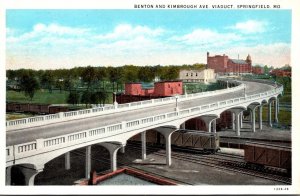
(208,119)
(143,139)
(233,118)
(30,173)
(112,149)
(270,113)
(67,161)
(277,105)
(8,175)
(260,117)
(122,149)
(252,108)
(214,125)
(241,119)
(182,126)
(167,133)
(276,110)
(88,163)
(237,112)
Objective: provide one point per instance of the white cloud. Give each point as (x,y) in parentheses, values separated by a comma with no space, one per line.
(56,45)
(59,29)
(41,31)
(275,54)
(250,26)
(127,31)
(202,37)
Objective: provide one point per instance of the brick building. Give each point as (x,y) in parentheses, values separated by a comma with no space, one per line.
(258,70)
(135,91)
(281,72)
(222,64)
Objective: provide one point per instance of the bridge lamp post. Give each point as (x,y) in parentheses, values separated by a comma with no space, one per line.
(176,108)
(115,99)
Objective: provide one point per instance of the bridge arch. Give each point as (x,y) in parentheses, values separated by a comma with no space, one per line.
(22,174)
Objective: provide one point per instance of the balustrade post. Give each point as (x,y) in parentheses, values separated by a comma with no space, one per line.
(60,115)
(123,125)
(39,143)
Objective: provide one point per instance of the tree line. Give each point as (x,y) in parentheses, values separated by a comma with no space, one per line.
(91,79)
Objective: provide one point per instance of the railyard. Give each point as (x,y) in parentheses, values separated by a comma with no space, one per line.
(189,166)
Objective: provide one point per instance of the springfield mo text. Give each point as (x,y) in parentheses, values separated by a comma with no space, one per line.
(204,6)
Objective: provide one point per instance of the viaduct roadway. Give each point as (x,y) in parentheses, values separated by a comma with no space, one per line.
(24,135)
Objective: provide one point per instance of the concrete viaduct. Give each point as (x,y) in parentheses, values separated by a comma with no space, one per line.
(32,142)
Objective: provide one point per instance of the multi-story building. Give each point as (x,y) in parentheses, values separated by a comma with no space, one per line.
(222,64)
(281,72)
(258,70)
(203,76)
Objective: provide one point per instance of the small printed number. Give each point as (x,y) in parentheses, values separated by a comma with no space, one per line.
(281,189)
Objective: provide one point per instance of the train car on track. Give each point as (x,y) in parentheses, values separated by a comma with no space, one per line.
(201,140)
(184,139)
(261,155)
(35,108)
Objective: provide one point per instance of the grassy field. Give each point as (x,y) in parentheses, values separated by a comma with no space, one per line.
(284,117)
(200,87)
(43,97)
(13,116)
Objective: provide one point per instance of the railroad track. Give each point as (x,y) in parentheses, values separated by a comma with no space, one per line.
(219,160)
(125,163)
(222,161)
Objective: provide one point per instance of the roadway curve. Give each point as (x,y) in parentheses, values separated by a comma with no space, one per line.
(51,130)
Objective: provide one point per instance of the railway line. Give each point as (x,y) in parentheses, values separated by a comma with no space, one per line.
(219,160)
(128,164)
(222,161)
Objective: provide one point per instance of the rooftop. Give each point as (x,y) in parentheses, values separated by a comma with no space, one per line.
(237,61)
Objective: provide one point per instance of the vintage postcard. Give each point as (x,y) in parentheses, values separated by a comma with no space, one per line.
(139,97)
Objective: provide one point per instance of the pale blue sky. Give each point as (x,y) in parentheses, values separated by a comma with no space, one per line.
(67,38)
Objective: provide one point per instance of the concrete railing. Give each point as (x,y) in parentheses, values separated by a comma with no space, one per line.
(45,145)
(72,115)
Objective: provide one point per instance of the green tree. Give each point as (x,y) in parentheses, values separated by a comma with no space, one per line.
(47,80)
(86,98)
(28,83)
(115,75)
(170,73)
(146,74)
(59,84)
(130,73)
(89,76)
(99,97)
(73,98)
(11,74)
(101,75)
(68,84)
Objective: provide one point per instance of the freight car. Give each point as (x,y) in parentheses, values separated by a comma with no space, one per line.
(200,140)
(261,155)
(35,108)
(190,139)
